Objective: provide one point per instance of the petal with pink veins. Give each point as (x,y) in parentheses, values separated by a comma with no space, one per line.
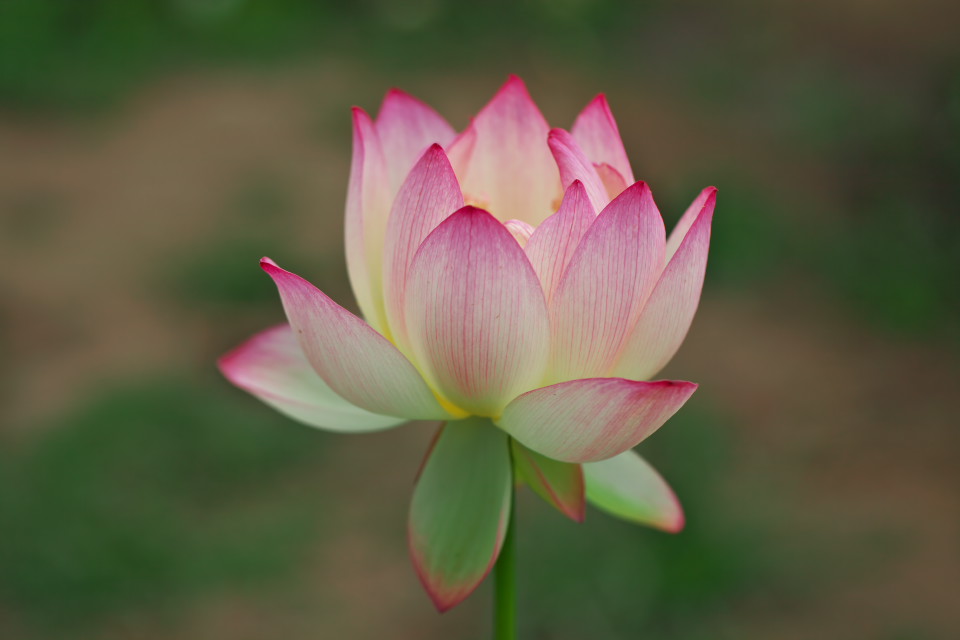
(356,362)
(460,510)
(668,313)
(626,486)
(599,137)
(558,483)
(574,165)
(553,243)
(406,127)
(503,161)
(520,230)
(475,314)
(592,419)
(365,224)
(428,195)
(605,285)
(271,366)
(613,182)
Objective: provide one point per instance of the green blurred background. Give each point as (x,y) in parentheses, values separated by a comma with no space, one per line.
(152,151)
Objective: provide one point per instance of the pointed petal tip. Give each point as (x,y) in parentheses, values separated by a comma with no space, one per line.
(266,263)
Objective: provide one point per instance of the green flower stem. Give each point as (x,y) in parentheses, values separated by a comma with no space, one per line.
(505,581)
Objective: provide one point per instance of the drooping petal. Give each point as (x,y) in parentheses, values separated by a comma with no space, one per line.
(626,486)
(271,366)
(406,127)
(460,510)
(598,135)
(574,165)
(593,419)
(503,161)
(605,285)
(475,314)
(365,224)
(552,244)
(667,315)
(428,195)
(356,362)
(559,483)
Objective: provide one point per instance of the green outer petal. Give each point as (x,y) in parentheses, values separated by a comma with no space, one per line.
(626,486)
(559,483)
(460,509)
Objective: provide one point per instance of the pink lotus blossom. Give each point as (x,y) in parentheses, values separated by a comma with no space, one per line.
(510,274)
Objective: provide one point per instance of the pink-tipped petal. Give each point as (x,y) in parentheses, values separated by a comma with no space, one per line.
(706,198)
(503,161)
(554,242)
(593,419)
(666,317)
(598,135)
(271,366)
(475,313)
(520,230)
(356,362)
(613,182)
(558,483)
(575,165)
(626,486)
(365,224)
(428,195)
(460,510)
(407,127)
(605,286)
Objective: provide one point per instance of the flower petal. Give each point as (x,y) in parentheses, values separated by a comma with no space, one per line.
(365,224)
(666,317)
(592,419)
(599,137)
(626,486)
(553,243)
(358,363)
(520,230)
(503,161)
(613,182)
(406,127)
(428,195)
(271,365)
(559,483)
(574,165)
(460,510)
(603,290)
(475,314)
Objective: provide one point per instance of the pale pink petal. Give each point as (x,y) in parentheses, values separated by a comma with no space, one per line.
(503,161)
(356,362)
(605,286)
(626,486)
(520,230)
(613,182)
(554,242)
(707,197)
(368,205)
(428,195)
(271,366)
(407,127)
(476,316)
(667,315)
(598,135)
(574,165)
(592,419)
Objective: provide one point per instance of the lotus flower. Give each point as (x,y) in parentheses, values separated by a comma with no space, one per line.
(516,283)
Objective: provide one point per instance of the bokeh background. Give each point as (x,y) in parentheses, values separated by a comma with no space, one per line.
(152,151)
